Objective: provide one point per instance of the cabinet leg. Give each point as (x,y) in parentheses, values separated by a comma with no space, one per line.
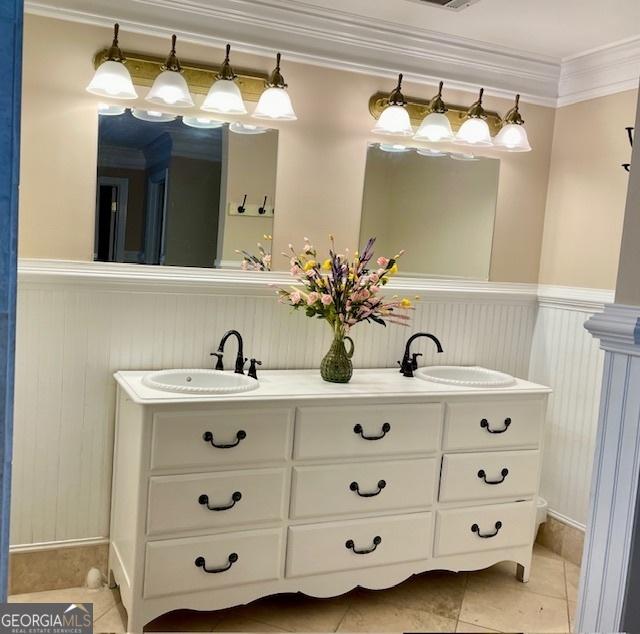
(135,622)
(522,573)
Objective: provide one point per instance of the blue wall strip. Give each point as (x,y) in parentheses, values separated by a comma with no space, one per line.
(10,79)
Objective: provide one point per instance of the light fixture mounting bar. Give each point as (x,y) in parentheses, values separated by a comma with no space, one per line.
(418,109)
(145,68)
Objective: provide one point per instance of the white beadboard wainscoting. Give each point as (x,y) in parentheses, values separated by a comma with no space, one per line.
(566,357)
(78,323)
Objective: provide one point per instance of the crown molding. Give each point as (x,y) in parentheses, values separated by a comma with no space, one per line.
(599,72)
(326,38)
(617,328)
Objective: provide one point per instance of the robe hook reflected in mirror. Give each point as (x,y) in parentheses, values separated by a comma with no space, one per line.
(242,208)
(263,208)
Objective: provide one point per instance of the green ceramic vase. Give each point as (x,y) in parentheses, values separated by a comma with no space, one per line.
(336,367)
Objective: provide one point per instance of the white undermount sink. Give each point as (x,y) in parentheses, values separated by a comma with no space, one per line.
(199,381)
(466,376)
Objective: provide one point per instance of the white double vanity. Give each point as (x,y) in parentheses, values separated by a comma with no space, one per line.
(306,486)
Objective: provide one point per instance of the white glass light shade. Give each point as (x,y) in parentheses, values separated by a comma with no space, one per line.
(394,148)
(202,122)
(247,128)
(170,89)
(512,138)
(435,127)
(224,97)
(394,121)
(110,110)
(474,131)
(112,79)
(275,103)
(153,115)
(461,156)
(429,152)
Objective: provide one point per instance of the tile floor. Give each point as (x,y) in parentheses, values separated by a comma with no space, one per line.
(490,600)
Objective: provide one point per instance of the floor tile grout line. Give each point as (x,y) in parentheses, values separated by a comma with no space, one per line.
(344,614)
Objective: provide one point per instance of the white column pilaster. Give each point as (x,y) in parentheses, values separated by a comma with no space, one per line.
(612,525)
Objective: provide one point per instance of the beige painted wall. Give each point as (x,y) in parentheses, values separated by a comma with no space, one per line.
(587,191)
(321,156)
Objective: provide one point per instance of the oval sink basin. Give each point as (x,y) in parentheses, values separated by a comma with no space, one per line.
(466,376)
(199,381)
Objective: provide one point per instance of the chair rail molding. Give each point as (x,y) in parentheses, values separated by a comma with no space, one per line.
(612,526)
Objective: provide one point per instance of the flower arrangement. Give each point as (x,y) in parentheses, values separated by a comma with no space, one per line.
(259,262)
(343,291)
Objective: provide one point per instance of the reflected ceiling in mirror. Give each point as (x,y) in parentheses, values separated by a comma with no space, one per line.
(440,208)
(183,191)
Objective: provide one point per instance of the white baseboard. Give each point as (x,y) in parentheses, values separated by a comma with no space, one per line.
(566,520)
(65,543)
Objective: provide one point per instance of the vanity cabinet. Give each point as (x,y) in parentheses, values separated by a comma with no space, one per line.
(219,501)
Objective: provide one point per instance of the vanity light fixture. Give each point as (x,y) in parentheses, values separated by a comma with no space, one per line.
(275,102)
(153,115)
(512,136)
(224,95)
(111,78)
(110,110)
(394,119)
(247,128)
(462,156)
(170,87)
(435,127)
(202,122)
(475,130)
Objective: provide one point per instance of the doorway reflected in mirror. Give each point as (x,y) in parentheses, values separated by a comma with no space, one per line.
(169,193)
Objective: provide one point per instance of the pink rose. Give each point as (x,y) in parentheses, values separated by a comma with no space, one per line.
(296,270)
(312,298)
(326,299)
(382,261)
(295,297)
(374,289)
(374,278)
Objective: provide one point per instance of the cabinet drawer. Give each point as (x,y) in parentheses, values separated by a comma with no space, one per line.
(178,503)
(331,547)
(363,487)
(352,431)
(486,424)
(484,528)
(489,475)
(220,437)
(170,566)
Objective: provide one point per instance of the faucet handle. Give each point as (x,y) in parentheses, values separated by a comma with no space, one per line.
(219,364)
(414,360)
(252,368)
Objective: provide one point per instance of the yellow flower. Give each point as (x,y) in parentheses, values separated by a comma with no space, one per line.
(309,264)
(406,303)
(393,270)
(326,265)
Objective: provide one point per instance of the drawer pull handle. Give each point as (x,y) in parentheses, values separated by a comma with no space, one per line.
(208,437)
(201,563)
(483,476)
(386,428)
(235,497)
(354,486)
(485,424)
(377,540)
(476,529)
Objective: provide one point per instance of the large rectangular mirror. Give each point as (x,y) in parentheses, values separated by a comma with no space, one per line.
(439,208)
(170,192)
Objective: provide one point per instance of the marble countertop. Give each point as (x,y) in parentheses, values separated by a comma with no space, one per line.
(304,385)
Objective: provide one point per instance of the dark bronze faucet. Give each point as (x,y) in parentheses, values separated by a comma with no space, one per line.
(409,361)
(240,358)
